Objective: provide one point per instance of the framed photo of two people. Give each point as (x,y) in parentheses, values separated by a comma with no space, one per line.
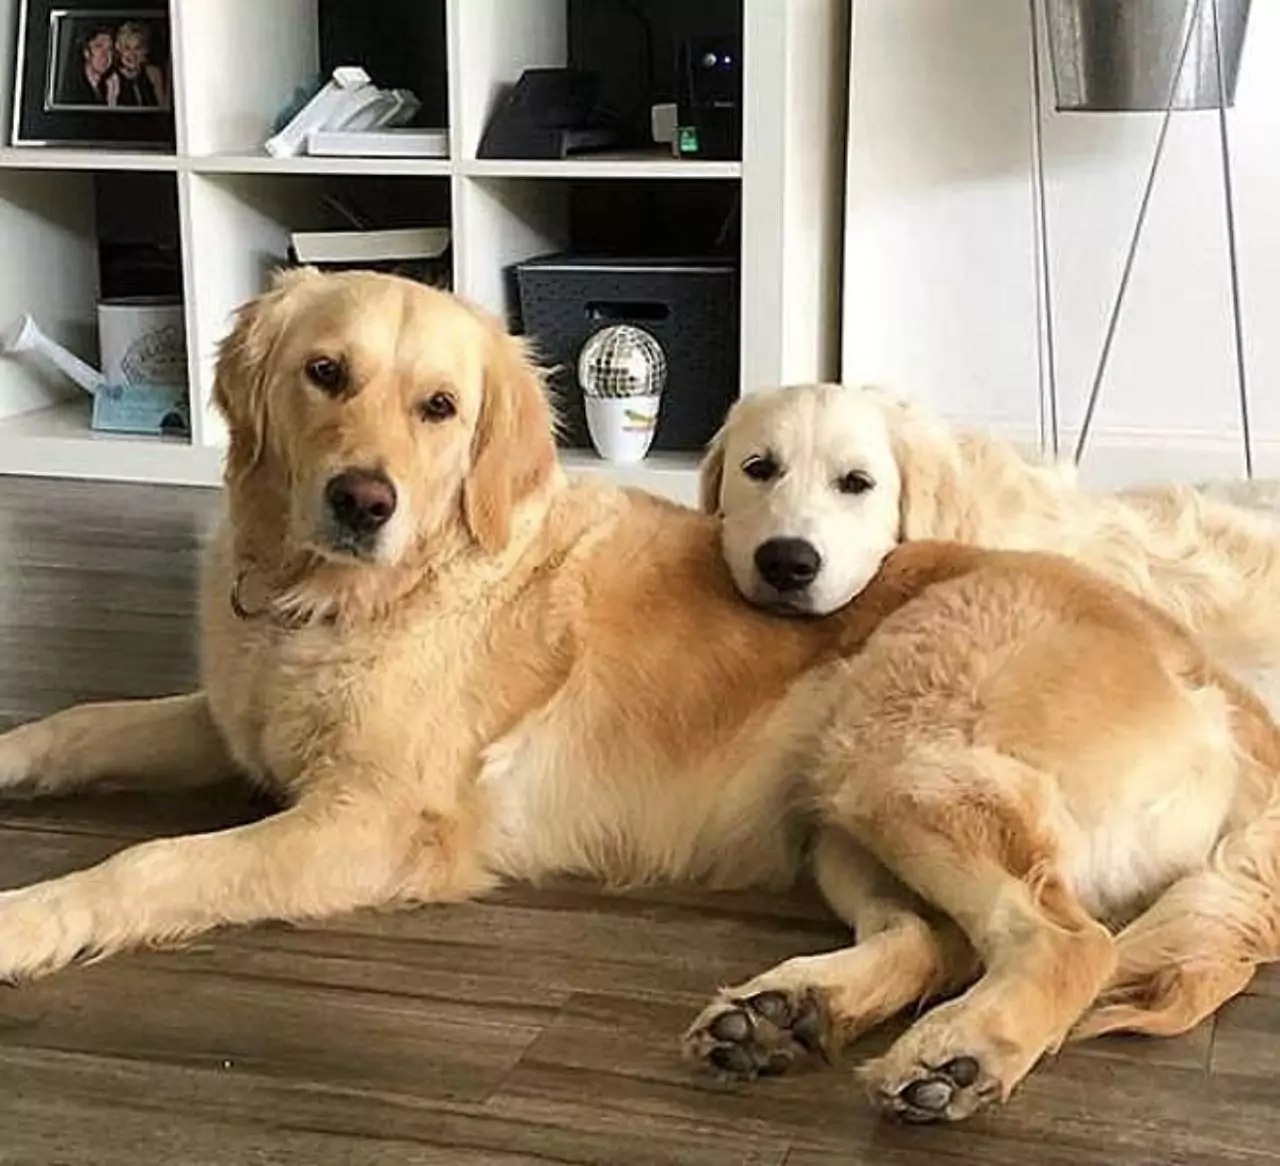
(94,73)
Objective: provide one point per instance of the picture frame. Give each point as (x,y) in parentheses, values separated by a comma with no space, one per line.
(94,74)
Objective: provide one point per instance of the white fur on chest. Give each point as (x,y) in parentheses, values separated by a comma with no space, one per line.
(291,703)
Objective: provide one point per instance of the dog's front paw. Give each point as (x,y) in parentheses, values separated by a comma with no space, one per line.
(39,935)
(760,1034)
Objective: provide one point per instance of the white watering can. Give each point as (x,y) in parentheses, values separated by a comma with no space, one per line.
(141,387)
(142,343)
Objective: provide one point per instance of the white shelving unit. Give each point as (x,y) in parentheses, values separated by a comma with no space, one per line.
(237,207)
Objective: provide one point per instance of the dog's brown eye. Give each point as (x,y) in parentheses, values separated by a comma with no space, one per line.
(854,482)
(437,407)
(327,374)
(760,468)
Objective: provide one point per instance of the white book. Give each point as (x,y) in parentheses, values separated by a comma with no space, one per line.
(384,143)
(370,246)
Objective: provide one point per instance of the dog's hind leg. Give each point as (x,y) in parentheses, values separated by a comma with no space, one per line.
(817,1004)
(1200,943)
(171,742)
(965,828)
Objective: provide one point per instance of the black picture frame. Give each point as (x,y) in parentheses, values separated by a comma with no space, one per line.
(95,74)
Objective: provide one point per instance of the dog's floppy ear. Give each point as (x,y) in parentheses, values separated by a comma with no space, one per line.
(514,453)
(930,506)
(933,503)
(244,357)
(711,475)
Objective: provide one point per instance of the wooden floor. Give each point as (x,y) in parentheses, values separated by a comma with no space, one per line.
(539,1026)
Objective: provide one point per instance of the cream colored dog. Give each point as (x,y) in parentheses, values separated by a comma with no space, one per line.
(455,667)
(815,484)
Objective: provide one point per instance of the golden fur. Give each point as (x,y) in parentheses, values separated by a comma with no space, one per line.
(523,675)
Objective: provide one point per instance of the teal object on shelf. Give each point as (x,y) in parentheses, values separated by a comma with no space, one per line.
(152,410)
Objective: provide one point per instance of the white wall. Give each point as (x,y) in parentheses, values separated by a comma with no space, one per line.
(940,285)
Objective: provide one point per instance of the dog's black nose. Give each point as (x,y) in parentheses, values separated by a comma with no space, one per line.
(788,564)
(361,501)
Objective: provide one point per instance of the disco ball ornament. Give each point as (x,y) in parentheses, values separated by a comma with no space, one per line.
(622,370)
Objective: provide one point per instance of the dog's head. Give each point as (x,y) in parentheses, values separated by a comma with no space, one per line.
(809,488)
(373,419)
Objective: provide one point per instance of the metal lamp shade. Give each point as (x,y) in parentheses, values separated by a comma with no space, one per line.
(1120,55)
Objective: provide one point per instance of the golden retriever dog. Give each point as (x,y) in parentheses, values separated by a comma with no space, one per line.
(815,484)
(455,667)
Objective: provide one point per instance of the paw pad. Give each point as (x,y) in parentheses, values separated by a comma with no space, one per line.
(948,1092)
(760,1035)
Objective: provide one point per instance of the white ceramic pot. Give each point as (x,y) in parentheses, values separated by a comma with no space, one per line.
(622,428)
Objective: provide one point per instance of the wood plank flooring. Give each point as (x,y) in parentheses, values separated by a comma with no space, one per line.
(538,1026)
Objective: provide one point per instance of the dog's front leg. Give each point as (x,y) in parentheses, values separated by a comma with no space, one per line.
(330,853)
(171,742)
